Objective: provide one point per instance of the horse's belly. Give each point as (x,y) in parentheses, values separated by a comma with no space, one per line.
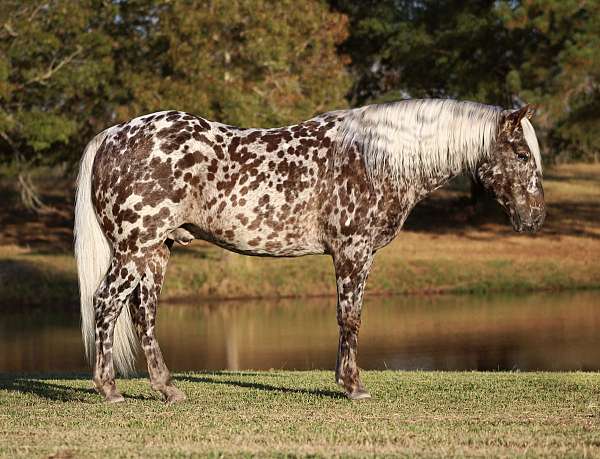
(286,243)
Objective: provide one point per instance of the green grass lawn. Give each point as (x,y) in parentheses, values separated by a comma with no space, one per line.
(282,413)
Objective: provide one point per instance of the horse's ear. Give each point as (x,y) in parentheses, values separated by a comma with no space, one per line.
(513,119)
(531,109)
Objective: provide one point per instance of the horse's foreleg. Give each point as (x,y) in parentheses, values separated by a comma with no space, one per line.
(143,306)
(352,266)
(109,300)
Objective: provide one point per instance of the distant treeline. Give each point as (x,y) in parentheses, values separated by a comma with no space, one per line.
(69,69)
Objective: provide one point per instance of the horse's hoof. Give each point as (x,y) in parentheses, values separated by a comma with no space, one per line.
(174,396)
(359,394)
(118,398)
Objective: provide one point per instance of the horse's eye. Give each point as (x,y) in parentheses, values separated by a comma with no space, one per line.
(522,156)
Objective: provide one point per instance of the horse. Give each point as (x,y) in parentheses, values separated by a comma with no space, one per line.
(340,184)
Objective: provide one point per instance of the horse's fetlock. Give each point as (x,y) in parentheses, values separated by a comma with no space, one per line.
(97,382)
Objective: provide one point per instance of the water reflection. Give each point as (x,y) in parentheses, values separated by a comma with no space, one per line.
(532,332)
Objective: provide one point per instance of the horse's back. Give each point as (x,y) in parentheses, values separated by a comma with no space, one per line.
(257,191)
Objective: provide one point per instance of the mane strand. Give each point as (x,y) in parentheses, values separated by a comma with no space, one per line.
(421,137)
(532,143)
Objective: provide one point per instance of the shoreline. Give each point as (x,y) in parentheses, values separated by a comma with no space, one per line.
(33,280)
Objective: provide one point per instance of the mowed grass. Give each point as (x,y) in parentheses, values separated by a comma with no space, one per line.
(283,413)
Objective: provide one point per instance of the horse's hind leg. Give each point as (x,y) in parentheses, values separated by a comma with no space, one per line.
(352,265)
(109,300)
(143,305)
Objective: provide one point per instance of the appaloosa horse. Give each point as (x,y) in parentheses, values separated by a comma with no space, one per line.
(341,184)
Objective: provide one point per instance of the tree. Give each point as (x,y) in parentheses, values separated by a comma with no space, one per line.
(501,52)
(256,62)
(55,63)
(445,48)
(68,71)
(559,43)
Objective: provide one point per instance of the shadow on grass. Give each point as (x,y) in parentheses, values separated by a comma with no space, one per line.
(55,392)
(49,233)
(27,283)
(446,213)
(259,386)
(45,389)
(41,387)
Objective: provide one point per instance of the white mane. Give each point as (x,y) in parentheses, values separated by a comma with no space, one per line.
(532,143)
(423,137)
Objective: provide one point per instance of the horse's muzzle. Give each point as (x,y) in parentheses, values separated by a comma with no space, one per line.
(531,224)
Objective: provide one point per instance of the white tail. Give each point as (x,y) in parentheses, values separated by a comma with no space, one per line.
(93,255)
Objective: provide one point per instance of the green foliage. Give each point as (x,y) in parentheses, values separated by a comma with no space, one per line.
(248,63)
(559,69)
(499,52)
(68,72)
(56,61)
(447,48)
(42,129)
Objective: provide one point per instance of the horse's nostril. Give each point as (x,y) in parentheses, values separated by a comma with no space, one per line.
(541,218)
(534,225)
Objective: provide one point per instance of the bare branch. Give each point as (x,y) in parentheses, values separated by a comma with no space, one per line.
(37,10)
(10,30)
(53,68)
(12,145)
(22,12)
(29,194)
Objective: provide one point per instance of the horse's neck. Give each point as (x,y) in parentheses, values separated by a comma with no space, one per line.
(413,188)
(425,185)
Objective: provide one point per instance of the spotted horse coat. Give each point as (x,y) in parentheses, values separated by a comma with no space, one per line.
(340,184)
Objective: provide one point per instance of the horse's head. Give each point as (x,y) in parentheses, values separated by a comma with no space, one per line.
(513,171)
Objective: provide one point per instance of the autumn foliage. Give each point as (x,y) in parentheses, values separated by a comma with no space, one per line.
(70,69)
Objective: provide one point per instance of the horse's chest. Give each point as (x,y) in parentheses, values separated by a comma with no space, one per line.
(393,204)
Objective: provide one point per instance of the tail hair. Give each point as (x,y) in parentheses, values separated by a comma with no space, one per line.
(94,255)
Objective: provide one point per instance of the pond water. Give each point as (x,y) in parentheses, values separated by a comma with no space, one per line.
(526,332)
